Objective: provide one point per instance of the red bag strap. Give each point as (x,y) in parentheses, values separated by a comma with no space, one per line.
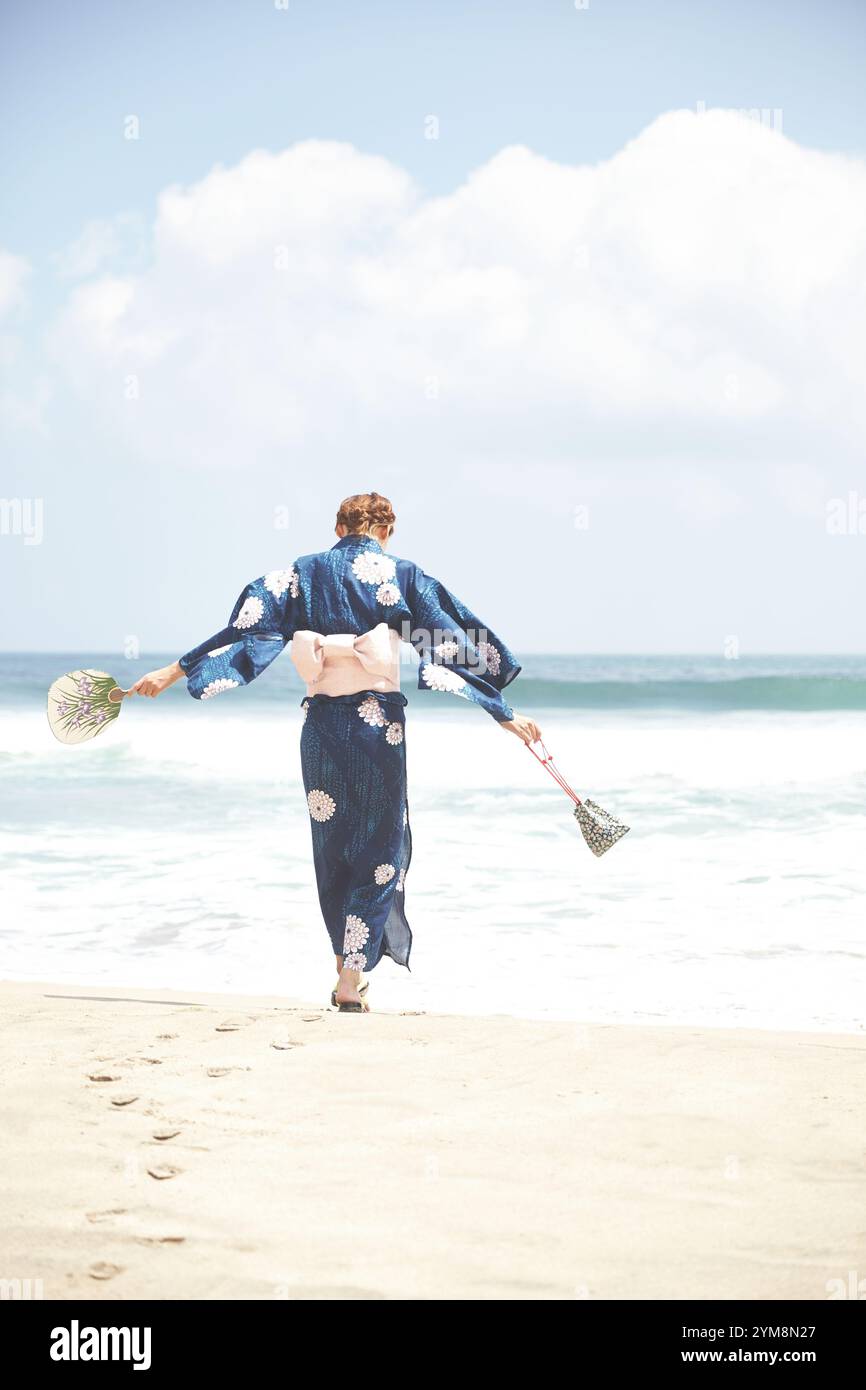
(548,764)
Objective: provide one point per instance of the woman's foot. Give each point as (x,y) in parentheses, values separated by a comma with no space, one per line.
(348,990)
(362,990)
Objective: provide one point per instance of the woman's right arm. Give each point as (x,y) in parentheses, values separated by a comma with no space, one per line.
(525,729)
(460,655)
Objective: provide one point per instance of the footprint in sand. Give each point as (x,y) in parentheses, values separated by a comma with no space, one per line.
(160,1240)
(284,1044)
(163,1171)
(105,1076)
(231,1025)
(224,1071)
(310,1018)
(167,1133)
(164,1037)
(123,1100)
(105,1215)
(103,1269)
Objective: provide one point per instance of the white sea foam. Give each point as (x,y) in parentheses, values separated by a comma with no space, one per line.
(174,851)
(731,750)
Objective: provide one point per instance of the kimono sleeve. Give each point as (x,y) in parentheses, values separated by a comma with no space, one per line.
(261,623)
(459,653)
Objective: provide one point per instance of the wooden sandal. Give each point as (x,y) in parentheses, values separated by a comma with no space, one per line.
(354,1008)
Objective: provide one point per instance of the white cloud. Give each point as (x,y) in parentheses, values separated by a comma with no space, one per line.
(702,497)
(14,272)
(803,489)
(699,294)
(101,242)
(22,399)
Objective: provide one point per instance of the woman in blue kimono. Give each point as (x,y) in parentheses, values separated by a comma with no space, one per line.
(345,612)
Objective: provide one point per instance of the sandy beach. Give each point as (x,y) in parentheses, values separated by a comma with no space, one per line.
(168,1146)
(173,1147)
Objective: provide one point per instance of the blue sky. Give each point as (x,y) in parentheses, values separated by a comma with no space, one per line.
(179,503)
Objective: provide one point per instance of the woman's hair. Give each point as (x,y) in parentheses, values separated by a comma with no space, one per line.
(364,510)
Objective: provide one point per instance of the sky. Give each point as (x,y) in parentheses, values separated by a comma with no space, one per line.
(582,289)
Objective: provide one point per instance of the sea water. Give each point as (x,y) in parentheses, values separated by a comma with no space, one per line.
(173,851)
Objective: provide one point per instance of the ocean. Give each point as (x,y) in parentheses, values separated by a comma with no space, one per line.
(173,850)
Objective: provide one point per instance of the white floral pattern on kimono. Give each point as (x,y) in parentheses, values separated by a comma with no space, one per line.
(250,614)
(446,651)
(322,806)
(356,935)
(216,688)
(441,678)
(388,595)
(491,657)
(279,582)
(372,712)
(371,567)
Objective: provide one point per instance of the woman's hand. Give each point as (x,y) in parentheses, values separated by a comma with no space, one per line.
(525,729)
(155,682)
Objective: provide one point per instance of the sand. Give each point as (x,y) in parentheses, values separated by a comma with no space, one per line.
(168,1146)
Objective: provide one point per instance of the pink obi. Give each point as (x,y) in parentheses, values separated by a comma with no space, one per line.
(343,664)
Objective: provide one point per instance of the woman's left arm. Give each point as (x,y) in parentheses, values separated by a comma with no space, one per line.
(155,682)
(261,623)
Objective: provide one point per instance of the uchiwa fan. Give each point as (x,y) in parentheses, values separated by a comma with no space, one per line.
(83,703)
(600,829)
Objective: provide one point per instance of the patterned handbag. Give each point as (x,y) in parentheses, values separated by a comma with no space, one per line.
(600,829)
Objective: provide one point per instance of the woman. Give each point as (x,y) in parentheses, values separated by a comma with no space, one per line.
(345,611)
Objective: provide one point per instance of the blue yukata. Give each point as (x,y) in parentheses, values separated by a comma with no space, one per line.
(346,611)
